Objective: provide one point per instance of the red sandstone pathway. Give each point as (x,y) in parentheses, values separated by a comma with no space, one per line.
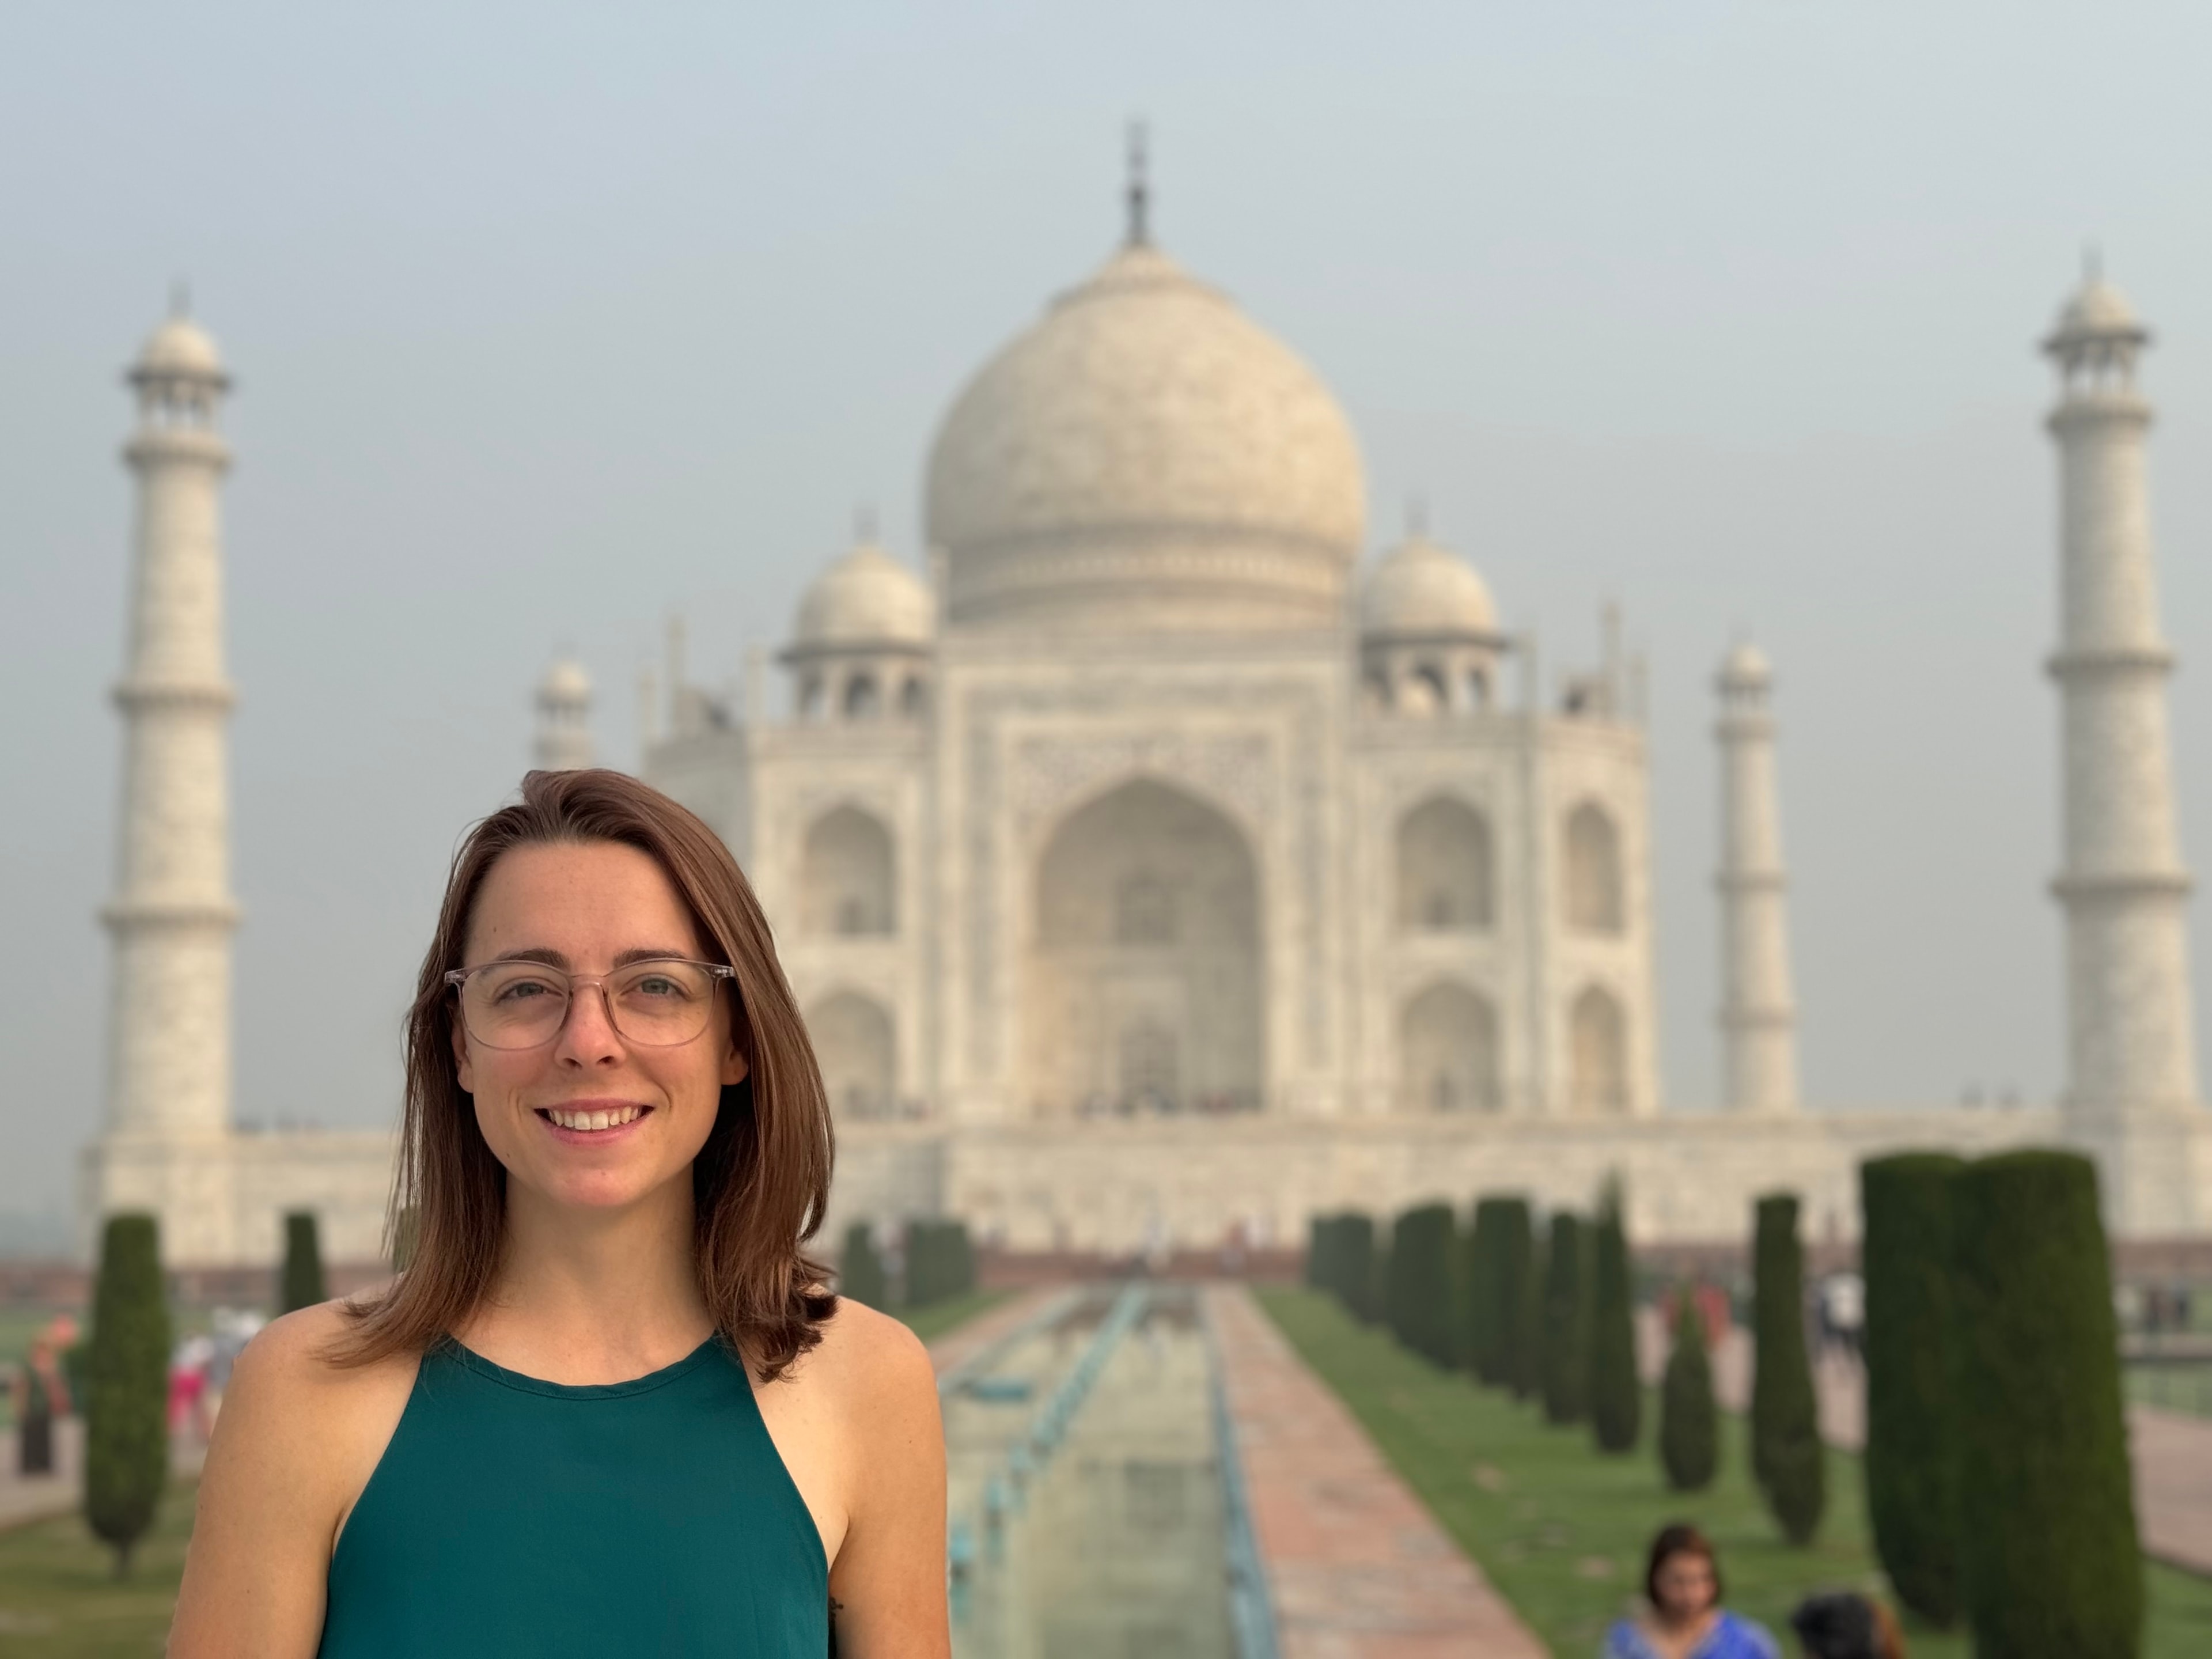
(1357,1566)
(964,1341)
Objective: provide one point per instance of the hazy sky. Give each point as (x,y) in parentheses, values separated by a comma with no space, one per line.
(547,319)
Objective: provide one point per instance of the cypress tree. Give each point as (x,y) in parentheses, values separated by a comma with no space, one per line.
(861,1269)
(1511,1264)
(126,1458)
(1354,1263)
(1319,1236)
(2048,1557)
(1689,1423)
(1911,1448)
(1528,1323)
(1566,1323)
(1616,1393)
(1785,1420)
(301,1283)
(1419,1298)
(1376,1288)
(1483,1287)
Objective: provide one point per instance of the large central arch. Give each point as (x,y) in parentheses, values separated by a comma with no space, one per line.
(1142,990)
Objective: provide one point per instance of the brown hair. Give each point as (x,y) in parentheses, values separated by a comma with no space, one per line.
(760,1183)
(1679,1538)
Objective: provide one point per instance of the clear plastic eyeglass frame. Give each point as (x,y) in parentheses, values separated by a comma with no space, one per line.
(716,973)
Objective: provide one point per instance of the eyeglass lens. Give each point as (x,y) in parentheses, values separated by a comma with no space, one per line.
(519,1004)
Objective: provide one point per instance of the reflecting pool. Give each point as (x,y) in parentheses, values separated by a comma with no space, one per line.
(1088,1511)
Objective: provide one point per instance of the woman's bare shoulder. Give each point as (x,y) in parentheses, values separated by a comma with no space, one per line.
(293,1406)
(871,1357)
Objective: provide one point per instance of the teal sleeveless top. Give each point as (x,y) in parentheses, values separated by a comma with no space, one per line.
(510,1516)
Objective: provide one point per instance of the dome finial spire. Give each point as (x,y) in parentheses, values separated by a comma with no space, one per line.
(2093,261)
(1417,517)
(864,524)
(1138,193)
(180,298)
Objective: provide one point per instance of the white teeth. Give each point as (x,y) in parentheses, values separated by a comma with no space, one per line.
(590,1121)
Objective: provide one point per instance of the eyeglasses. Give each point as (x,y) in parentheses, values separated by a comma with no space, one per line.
(658,1003)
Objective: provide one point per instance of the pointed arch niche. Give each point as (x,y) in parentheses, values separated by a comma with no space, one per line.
(1594,903)
(1448,1058)
(1597,1054)
(858,1049)
(1142,986)
(1445,868)
(847,884)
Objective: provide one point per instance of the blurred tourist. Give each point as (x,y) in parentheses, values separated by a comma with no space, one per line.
(1684,1618)
(1846,1626)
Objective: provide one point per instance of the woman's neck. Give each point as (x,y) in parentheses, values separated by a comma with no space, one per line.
(587,1295)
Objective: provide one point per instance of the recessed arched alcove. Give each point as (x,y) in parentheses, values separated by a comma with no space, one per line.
(1448,1051)
(857,1047)
(846,885)
(1142,989)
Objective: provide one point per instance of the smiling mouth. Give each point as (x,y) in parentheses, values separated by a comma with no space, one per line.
(587,1122)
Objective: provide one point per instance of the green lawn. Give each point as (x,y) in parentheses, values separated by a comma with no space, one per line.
(1561,1530)
(59,1597)
(934,1320)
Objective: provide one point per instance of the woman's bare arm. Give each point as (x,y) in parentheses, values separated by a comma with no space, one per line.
(296,1443)
(889,1574)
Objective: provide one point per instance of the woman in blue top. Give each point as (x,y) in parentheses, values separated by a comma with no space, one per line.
(608,1408)
(1685,1620)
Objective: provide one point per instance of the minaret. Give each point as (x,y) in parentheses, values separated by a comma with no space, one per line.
(2131,1047)
(564,717)
(1758,1016)
(171,916)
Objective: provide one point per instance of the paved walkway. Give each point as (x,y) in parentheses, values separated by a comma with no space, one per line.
(2172,1451)
(25,1499)
(1357,1567)
(964,1341)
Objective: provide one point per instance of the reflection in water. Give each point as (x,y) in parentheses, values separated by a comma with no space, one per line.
(1086,1499)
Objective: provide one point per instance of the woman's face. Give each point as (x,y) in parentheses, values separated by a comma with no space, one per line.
(1685,1584)
(581,908)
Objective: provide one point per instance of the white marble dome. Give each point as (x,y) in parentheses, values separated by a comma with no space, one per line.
(866,598)
(181,348)
(1420,589)
(1145,455)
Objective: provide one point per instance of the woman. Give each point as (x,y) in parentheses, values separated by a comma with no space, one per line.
(608,1408)
(1686,1620)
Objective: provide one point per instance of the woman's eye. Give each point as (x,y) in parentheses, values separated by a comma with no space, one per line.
(523,990)
(658,985)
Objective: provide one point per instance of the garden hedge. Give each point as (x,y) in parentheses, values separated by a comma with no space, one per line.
(126,1459)
(1616,1395)
(1419,1299)
(300,1285)
(2048,1557)
(1483,1286)
(1911,1446)
(1566,1321)
(1787,1456)
(860,1268)
(1689,1420)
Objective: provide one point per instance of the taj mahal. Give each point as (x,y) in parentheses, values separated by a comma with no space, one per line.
(1157,870)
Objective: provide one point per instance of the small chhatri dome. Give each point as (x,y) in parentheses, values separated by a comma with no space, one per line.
(866,598)
(565,682)
(1746,665)
(179,350)
(1144,455)
(1423,590)
(2095,312)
